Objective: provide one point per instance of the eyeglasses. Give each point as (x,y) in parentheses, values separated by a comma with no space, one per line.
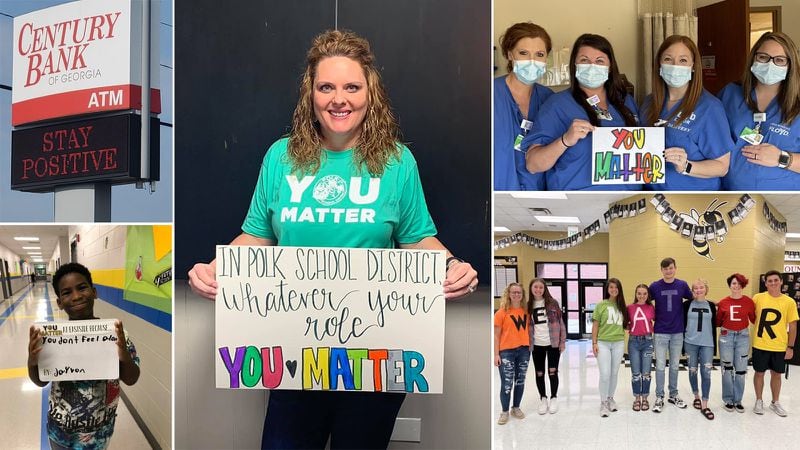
(778,60)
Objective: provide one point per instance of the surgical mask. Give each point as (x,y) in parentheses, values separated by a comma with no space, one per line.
(528,70)
(675,76)
(591,75)
(768,73)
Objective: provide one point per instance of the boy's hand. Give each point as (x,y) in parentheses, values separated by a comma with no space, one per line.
(34,346)
(122,347)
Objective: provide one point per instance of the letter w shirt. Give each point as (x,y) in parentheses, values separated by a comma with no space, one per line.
(669,304)
(513,324)
(339,206)
(773,315)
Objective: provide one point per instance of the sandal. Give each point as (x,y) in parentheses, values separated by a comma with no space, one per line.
(696,403)
(645,405)
(637,404)
(707,412)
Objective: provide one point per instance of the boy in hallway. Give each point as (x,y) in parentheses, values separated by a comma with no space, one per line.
(668,294)
(773,344)
(81,413)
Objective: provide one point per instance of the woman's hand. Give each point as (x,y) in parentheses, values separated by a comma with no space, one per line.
(34,346)
(578,130)
(676,156)
(595,348)
(763,154)
(497,360)
(461,279)
(203,280)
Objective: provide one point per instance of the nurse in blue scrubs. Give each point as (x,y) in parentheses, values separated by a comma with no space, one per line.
(517,99)
(558,144)
(697,140)
(766,127)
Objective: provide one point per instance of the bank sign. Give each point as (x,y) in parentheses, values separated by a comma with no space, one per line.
(79,58)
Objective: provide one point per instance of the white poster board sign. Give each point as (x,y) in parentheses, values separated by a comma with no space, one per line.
(628,155)
(337,319)
(78,350)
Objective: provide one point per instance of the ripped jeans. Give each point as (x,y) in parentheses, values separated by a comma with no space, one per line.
(640,351)
(513,366)
(734,347)
(704,358)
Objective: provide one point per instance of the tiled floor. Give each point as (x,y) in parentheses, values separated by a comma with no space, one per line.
(578,424)
(21,402)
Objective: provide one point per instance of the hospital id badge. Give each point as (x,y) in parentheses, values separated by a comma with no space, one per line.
(517,143)
(751,136)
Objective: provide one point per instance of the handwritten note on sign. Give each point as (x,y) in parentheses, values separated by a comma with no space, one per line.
(628,155)
(333,319)
(78,350)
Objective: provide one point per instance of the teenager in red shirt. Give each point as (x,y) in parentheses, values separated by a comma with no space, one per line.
(735,313)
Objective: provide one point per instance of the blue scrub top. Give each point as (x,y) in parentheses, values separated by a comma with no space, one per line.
(572,170)
(744,175)
(510,173)
(704,135)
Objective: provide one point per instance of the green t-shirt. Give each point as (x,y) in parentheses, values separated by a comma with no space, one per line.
(339,206)
(609,321)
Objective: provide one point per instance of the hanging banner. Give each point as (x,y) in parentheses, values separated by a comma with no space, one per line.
(78,350)
(331,319)
(631,155)
(81,57)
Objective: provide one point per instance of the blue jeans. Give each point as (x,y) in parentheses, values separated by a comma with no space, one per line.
(609,357)
(733,349)
(673,343)
(703,357)
(640,351)
(305,419)
(513,367)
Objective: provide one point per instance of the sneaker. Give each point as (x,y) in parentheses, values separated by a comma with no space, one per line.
(543,406)
(604,409)
(677,401)
(553,408)
(739,408)
(503,418)
(612,405)
(658,405)
(776,406)
(516,412)
(729,407)
(759,408)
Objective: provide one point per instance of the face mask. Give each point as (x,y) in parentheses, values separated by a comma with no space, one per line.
(675,76)
(768,73)
(591,75)
(528,71)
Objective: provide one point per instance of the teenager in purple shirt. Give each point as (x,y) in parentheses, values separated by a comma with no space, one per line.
(668,294)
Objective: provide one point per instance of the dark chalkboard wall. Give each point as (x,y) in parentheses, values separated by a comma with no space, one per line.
(237,69)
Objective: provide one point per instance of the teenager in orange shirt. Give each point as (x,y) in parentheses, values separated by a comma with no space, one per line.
(512,348)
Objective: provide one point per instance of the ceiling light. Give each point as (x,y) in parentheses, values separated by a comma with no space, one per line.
(557,219)
(501,229)
(23,238)
(34,253)
(792,235)
(31,248)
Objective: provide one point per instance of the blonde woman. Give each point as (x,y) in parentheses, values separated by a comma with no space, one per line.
(511,349)
(700,342)
(343,134)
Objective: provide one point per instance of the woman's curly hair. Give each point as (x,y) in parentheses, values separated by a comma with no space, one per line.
(380,134)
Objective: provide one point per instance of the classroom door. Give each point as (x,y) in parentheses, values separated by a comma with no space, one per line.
(723,31)
(3,276)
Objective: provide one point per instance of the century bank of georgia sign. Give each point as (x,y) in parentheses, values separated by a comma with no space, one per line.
(78,58)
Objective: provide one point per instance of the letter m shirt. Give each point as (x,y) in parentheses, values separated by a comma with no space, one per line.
(341,205)
(773,316)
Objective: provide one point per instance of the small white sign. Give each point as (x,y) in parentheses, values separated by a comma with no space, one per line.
(332,319)
(78,350)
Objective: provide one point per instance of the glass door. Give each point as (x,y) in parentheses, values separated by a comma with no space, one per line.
(591,293)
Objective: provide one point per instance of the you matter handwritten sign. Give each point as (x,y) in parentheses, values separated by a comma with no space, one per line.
(333,319)
(78,350)
(633,155)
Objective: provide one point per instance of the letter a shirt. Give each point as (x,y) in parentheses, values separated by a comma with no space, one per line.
(339,206)
(773,316)
(513,324)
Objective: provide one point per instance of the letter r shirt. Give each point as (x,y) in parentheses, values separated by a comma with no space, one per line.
(668,299)
(775,313)
(340,205)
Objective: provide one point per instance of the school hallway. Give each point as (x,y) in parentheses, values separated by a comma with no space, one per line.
(578,425)
(23,409)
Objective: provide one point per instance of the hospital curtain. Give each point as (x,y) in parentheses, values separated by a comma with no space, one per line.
(659,20)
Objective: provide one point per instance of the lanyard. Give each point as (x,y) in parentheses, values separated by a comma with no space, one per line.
(602,114)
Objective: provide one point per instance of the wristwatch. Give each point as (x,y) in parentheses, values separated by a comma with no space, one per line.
(687,169)
(784,160)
